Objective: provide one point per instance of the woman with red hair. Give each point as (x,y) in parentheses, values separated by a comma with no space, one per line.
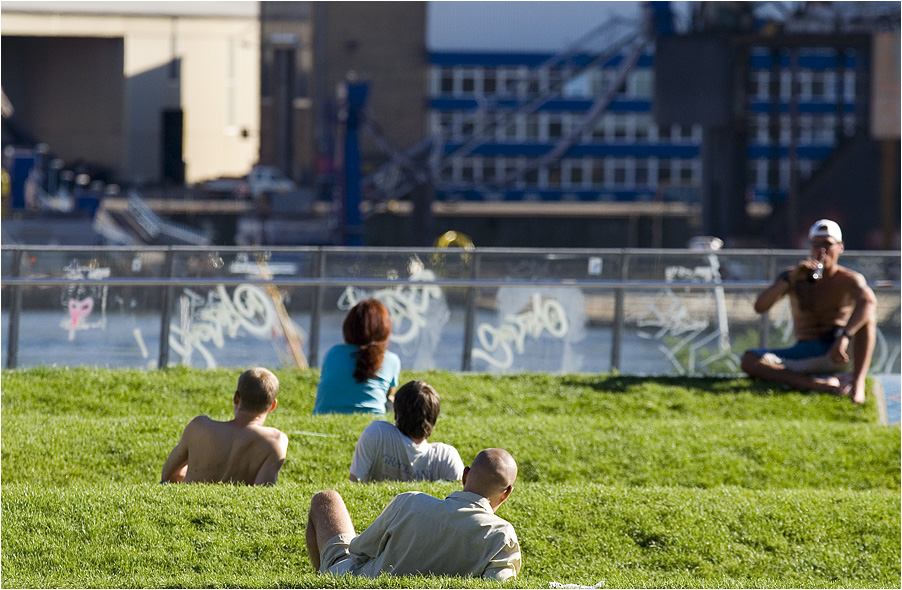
(361,375)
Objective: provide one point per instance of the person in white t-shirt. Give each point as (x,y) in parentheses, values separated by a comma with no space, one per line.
(400,452)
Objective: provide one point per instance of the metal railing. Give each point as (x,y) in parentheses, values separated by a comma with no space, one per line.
(686,306)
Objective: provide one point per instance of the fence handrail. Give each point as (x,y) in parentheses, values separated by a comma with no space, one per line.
(625,284)
(436,250)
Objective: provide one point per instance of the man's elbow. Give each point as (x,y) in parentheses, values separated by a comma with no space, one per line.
(871,306)
(174,474)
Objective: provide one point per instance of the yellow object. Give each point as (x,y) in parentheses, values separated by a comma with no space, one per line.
(4,191)
(452,239)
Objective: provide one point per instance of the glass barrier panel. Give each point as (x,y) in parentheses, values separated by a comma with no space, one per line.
(95,325)
(531,328)
(550,265)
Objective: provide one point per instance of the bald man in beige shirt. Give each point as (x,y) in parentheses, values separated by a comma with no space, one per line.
(240,450)
(417,534)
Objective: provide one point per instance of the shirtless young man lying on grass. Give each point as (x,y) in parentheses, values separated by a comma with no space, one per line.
(241,450)
(833,313)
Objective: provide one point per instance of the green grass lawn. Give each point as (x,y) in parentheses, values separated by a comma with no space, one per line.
(629,482)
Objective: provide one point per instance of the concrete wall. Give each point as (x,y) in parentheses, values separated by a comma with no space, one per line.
(69,92)
(206,65)
(385,43)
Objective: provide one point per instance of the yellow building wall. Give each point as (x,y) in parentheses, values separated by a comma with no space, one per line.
(216,86)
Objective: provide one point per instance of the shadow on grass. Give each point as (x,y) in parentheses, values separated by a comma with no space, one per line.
(716,385)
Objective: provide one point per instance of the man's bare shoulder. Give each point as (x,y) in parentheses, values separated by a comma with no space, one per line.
(200,423)
(271,436)
(854,279)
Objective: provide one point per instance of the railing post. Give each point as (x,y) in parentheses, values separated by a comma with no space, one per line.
(617,328)
(166,311)
(764,331)
(15,312)
(319,267)
(470,317)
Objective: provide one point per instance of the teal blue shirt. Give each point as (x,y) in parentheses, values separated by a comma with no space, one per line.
(339,393)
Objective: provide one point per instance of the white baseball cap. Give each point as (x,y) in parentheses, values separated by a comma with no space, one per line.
(825,228)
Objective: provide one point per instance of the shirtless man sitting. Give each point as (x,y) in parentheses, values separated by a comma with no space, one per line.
(829,313)
(241,450)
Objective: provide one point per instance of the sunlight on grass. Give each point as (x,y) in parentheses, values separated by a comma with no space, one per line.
(627,482)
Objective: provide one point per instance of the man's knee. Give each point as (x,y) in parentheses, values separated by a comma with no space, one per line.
(325,502)
(749,361)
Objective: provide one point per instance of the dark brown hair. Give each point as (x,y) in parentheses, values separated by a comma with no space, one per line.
(417,408)
(368,325)
(257,389)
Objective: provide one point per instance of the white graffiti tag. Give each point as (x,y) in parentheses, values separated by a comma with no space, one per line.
(680,324)
(407,304)
(543,315)
(210,319)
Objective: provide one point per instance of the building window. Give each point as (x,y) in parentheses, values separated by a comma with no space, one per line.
(489,82)
(641,83)
(489,170)
(598,173)
(785,173)
(511,166)
(848,91)
(684,133)
(509,127)
(760,85)
(641,173)
(760,129)
(510,82)
(643,123)
(620,172)
(468,81)
(823,85)
(687,172)
(532,127)
(446,84)
(467,126)
(554,176)
(664,132)
(555,127)
(664,173)
(598,129)
(620,127)
(463,170)
(823,131)
(573,175)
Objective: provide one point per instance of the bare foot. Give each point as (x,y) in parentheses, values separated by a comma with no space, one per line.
(829,384)
(849,386)
(856,390)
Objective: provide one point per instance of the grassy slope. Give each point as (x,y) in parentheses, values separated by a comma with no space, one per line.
(665,482)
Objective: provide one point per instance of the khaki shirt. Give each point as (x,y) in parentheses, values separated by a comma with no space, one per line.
(419,534)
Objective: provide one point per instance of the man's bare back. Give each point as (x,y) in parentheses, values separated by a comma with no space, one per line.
(241,450)
(233,453)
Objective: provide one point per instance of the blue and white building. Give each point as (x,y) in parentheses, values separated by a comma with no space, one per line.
(622,156)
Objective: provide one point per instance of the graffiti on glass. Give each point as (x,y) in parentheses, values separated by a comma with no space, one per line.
(207,320)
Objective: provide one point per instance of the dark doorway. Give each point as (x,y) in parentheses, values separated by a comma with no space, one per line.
(173,164)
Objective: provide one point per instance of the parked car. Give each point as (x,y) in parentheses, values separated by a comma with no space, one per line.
(268,179)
